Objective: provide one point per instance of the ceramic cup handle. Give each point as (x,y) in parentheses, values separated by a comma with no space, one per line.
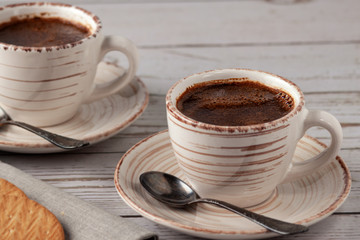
(128,48)
(330,123)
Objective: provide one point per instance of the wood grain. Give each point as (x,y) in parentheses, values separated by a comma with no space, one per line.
(231,22)
(314,68)
(333,228)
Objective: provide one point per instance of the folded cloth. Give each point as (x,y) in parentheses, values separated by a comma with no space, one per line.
(79,219)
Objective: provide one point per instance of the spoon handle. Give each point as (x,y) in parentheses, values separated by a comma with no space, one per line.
(266,222)
(57,140)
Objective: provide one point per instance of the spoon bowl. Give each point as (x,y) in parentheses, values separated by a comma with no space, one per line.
(176,193)
(167,188)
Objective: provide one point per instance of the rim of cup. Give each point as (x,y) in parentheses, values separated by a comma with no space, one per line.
(94,26)
(210,75)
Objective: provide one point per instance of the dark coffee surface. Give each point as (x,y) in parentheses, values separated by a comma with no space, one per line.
(41,32)
(235,103)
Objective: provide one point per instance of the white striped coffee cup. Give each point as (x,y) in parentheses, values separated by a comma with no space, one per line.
(46,85)
(244,164)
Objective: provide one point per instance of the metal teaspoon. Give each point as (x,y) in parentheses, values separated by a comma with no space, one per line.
(176,193)
(57,140)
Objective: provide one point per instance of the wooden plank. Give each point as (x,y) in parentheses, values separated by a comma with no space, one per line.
(335,227)
(77,2)
(313,68)
(231,22)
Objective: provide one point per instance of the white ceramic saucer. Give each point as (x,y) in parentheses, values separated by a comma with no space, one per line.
(94,122)
(305,201)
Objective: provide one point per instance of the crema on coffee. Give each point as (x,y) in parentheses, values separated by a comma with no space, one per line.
(234,103)
(41,32)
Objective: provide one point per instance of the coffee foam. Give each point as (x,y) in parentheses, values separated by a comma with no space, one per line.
(222,98)
(234,103)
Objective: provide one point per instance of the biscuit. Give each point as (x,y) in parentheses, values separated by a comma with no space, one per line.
(7,188)
(23,218)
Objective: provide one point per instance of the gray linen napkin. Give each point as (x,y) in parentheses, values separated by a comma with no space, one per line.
(79,219)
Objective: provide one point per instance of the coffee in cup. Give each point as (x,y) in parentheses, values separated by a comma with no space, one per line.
(234,102)
(42,32)
(49,54)
(243,146)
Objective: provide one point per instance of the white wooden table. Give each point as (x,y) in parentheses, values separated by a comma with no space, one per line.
(314,43)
